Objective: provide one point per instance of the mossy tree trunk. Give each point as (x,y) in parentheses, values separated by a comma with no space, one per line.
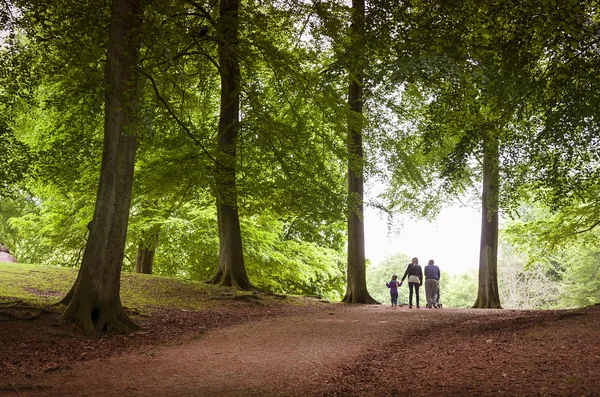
(356,289)
(488,296)
(94,301)
(231,270)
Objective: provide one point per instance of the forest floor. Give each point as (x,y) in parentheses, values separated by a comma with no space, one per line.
(256,346)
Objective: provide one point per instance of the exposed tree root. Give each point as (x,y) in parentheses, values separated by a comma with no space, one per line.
(12,312)
(359,298)
(247,298)
(486,304)
(226,279)
(67,299)
(96,317)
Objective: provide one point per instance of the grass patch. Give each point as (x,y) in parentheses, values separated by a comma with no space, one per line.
(38,285)
(143,291)
(44,286)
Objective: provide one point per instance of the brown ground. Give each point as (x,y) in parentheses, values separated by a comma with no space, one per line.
(246,348)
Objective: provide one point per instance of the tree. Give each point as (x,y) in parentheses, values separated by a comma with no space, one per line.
(14,161)
(526,287)
(231,270)
(488,296)
(278,155)
(560,247)
(15,158)
(450,119)
(57,116)
(490,66)
(548,121)
(94,302)
(356,291)
(290,143)
(145,254)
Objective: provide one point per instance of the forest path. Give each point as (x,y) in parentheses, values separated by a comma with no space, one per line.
(358,350)
(285,356)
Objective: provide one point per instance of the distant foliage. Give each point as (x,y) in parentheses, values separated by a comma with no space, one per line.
(561,247)
(51,232)
(526,287)
(54,232)
(15,160)
(582,279)
(189,248)
(458,290)
(293,266)
(565,279)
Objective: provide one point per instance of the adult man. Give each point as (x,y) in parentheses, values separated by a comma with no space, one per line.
(432,283)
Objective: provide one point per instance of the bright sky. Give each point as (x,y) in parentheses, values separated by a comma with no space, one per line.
(452,240)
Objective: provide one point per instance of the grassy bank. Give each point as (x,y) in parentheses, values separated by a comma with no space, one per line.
(44,286)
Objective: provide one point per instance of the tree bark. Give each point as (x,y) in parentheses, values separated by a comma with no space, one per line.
(145,254)
(231,270)
(94,301)
(488,296)
(356,290)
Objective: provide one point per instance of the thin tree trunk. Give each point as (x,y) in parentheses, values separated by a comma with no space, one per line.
(94,302)
(231,270)
(145,255)
(356,290)
(144,260)
(488,295)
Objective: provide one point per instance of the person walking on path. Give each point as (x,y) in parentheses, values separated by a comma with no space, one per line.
(393,286)
(415,280)
(432,283)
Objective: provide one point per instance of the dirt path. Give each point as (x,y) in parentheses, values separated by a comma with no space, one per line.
(281,356)
(353,350)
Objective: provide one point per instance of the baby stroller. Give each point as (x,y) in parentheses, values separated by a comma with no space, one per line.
(438,303)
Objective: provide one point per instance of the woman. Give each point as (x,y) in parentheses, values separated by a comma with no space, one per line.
(415,280)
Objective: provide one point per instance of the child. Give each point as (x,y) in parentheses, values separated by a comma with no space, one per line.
(393,286)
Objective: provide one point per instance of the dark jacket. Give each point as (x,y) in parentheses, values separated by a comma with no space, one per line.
(414,269)
(432,271)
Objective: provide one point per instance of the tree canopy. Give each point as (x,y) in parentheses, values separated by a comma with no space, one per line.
(256,124)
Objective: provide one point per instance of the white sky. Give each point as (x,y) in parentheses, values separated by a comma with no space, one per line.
(452,240)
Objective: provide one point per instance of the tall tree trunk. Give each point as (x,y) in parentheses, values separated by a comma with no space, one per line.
(356,289)
(487,295)
(145,254)
(231,270)
(94,302)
